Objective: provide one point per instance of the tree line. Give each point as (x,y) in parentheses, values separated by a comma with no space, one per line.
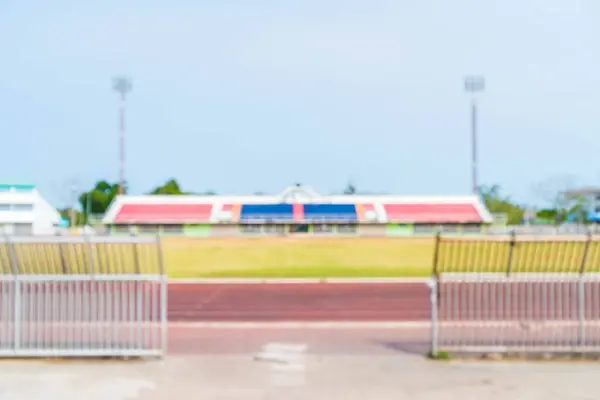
(560,211)
(97,200)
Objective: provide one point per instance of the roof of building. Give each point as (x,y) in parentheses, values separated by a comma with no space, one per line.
(585,191)
(6,187)
(295,204)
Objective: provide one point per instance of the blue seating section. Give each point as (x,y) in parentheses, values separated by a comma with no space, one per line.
(330,212)
(267,212)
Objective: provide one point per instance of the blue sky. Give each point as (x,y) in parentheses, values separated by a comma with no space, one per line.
(242,96)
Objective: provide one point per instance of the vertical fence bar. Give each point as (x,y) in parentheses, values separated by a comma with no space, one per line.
(61,254)
(17,314)
(435,277)
(436,254)
(506,315)
(12,254)
(581,310)
(89,299)
(138,287)
(17,295)
(581,292)
(433,283)
(90,255)
(511,248)
(163,296)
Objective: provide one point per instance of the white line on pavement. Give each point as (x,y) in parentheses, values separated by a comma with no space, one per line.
(207,281)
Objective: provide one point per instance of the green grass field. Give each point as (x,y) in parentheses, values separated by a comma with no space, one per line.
(372,257)
(298,257)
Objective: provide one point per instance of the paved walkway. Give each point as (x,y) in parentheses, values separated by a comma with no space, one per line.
(281,370)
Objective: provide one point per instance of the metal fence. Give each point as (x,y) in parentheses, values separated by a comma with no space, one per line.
(82,296)
(516,294)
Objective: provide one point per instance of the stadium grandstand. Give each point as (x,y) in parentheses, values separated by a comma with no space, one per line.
(298,209)
(24,212)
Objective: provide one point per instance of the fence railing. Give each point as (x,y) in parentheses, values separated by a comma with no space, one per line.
(540,230)
(82,296)
(516,294)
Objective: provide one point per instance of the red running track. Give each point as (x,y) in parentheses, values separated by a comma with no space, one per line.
(298,302)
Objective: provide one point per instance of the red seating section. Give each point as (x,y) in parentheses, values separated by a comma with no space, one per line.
(201,213)
(362,209)
(432,213)
(163,213)
(227,208)
(298,212)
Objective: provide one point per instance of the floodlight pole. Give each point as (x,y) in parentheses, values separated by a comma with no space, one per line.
(473,85)
(122,85)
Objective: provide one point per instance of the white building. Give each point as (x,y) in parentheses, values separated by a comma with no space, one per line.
(23,211)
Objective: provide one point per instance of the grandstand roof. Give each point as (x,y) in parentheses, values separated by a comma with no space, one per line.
(306,205)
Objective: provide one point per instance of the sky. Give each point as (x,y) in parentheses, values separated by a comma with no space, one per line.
(245,96)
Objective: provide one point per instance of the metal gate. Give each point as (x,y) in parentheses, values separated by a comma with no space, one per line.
(86,296)
(516,294)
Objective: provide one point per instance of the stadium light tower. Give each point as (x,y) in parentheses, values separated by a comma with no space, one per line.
(122,85)
(474,84)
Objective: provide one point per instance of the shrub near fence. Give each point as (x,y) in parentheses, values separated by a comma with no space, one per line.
(516,294)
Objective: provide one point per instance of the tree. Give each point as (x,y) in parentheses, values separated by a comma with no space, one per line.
(551,191)
(578,211)
(75,217)
(97,200)
(548,215)
(498,204)
(350,189)
(171,187)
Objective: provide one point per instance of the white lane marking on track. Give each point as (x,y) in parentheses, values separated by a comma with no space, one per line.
(300,325)
(241,281)
(522,324)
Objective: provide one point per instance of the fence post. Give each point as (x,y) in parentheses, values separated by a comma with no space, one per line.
(12,254)
(61,255)
(139,288)
(436,253)
(581,291)
(89,245)
(433,284)
(434,294)
(136,261)
(14,262)
(161,266)
(511,248)
(506,310)
(163,296)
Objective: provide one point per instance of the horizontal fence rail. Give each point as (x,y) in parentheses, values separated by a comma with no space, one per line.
(516,294)
(91,296)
